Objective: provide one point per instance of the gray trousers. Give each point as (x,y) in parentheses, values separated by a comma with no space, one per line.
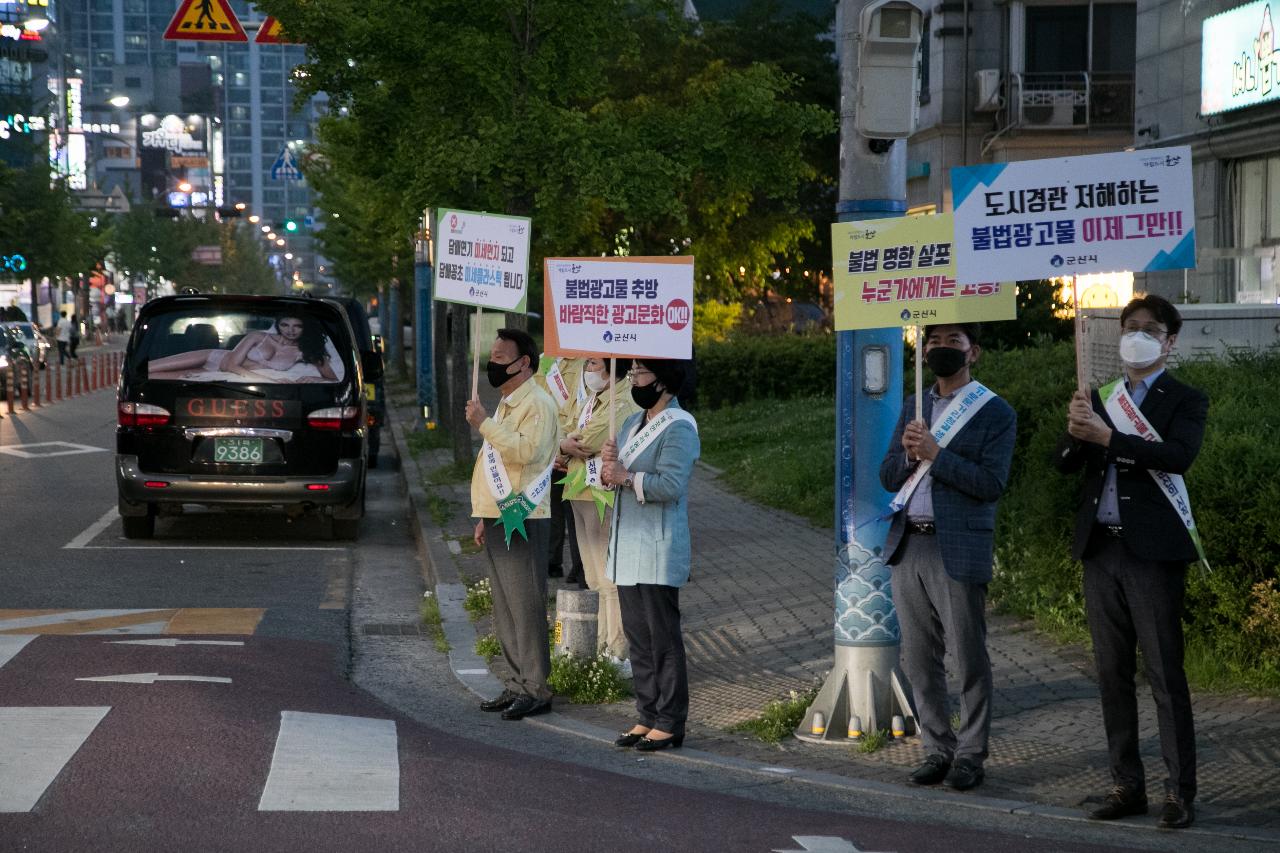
(935,613)
(518,577)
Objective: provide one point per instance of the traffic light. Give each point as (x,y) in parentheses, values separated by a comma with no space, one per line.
(290,225)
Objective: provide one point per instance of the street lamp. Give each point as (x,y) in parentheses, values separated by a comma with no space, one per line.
(280,242)
(241,205)
(184,187)
(271,235)
(254,219)
(266,229)
(119,101)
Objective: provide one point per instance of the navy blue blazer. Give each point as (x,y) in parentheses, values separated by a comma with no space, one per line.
(969,475)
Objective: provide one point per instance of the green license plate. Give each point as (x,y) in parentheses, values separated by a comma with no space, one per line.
(242,450)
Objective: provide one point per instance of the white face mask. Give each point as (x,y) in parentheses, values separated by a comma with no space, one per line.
(595,382)
(1138,349)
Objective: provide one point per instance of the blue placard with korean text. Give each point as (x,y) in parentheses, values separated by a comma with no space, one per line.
(1128,211)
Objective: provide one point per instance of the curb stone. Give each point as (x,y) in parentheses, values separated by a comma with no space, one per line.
(472,672)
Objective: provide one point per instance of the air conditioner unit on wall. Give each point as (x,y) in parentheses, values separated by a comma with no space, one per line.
(986,84)
(1053,108)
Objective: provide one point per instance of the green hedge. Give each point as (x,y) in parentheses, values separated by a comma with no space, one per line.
(760,367)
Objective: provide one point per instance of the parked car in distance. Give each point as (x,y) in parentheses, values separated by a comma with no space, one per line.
(241,401)
(15,362)
(38,345)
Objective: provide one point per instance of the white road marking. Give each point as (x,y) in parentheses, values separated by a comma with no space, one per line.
(153,677)
(823,844)
(21,450)
(69,617)
(172,641)
(87,535)
(145,628)
(35,744)
(332,763)
(10,645)
(472,671)
(203,548)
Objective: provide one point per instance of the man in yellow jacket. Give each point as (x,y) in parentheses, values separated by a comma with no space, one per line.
(510,498)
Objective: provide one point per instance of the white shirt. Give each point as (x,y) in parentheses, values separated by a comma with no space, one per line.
(64,330)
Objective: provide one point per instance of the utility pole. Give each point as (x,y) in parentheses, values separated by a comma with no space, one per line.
(423,346)
(863,693)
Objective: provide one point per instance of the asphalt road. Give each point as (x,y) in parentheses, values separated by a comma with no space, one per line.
(199,691)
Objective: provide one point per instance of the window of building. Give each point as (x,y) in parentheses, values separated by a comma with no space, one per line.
(239,146)
(135,7)
(238,112)
(270,60)
(271,79)
(237,60)
(240,78)
(105,75)
(1257,193)
(273,197)
(242,181)
(133,82)
(239,163)
(272,130)
(272,96)
(102,41)
(240,128)
(135,59)
(136,41)
(1092,37)
(238,96)
(137,23)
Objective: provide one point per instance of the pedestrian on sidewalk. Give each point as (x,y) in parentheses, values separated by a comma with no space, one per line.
(63,337)
(510,492)
(75,337)
(562,379)
(1135,535)
(949,469)
(649,557)
(589,500)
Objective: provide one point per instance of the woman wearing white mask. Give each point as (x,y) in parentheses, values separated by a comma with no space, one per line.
(586,427)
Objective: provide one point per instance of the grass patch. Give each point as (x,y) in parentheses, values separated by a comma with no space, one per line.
(779,718)
(873,741)
(423,440)
(467,543)
(479,600)
(434,622)
(488,647)
(587,681)
(440,508)
(454,472)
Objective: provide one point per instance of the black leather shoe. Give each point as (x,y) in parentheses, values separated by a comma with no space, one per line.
(1177,813)
(555,572)
(933,771)
(500,702)
(964,775)
(526,706)
(646,744)
(628,739)
(1120,802)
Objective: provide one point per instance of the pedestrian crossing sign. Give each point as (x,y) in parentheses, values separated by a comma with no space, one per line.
(285,168)
(272,33)
(205,20)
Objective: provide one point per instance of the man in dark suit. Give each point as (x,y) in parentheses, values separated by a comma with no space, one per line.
(1135,546)
(949,470)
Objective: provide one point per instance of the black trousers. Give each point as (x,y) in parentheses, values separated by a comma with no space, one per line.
(1134,603)
(562,521)
(651,621)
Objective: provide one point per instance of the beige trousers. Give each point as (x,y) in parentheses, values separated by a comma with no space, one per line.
(593,543)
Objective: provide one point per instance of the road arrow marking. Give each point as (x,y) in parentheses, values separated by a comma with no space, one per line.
(153,677)
(170,642)
(823,844)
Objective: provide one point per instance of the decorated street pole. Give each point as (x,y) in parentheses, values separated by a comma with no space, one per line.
(862,692)
(423,348)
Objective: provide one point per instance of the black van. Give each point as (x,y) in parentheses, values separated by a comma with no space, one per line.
(241,401)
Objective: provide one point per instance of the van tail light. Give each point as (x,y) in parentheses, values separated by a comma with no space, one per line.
(141,415)
(345,418)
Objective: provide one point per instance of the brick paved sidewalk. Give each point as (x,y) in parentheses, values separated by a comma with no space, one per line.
(758,623)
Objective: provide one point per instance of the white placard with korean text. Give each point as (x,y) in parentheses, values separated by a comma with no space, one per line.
(482,259)
(1128,211)
(636,307)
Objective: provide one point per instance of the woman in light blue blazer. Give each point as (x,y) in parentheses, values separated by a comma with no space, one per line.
(651,462)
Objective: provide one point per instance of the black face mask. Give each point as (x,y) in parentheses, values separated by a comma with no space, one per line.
(646,396)
(497,373)
(946,361)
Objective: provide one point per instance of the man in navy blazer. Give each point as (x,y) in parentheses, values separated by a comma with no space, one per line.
(941,545)
(1135,548)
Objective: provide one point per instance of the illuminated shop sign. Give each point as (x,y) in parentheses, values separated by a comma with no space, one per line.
(1239,62)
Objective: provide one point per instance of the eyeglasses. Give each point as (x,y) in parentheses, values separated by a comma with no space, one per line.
(1151,329)
(638,373)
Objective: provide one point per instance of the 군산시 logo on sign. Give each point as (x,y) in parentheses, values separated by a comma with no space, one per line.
(678,314)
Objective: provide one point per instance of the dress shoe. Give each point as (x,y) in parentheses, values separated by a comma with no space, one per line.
(555,572)
(500,702)
(933,771)
(628,739)
(1177,813)
(526,706)
(964,775)
(1120,802)
(648,744)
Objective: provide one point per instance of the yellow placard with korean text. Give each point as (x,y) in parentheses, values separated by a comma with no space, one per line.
(902,272)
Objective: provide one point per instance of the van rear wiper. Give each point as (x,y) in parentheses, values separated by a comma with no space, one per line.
(252,392)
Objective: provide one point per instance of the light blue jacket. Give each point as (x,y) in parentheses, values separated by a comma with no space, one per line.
(649,542)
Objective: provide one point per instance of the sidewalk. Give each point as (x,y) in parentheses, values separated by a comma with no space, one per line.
(757,617)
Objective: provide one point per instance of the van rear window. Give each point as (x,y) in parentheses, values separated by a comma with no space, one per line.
(243,346)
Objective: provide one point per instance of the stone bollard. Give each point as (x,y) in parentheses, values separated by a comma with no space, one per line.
(575,628)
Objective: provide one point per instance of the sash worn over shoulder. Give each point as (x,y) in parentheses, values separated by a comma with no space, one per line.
(588,476)
(1126,416)
(555,381)
(968,401)
(649,434)
(513,507)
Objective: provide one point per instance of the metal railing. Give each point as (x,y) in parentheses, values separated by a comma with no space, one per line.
(1071,101)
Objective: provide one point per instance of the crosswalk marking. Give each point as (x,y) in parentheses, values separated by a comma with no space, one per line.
(35,744)
(186,620)
(10,646)
(333,763)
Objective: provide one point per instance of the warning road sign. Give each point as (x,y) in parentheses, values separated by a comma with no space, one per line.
(271,33)
(205,20)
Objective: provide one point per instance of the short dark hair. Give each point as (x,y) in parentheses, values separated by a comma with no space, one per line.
(62,313)
(524,345)
(972,331)
(1160,307)
(675,374)
(622,364)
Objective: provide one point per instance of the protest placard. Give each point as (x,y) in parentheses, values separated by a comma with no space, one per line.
(1126,211)
(901,272)
(482,259)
